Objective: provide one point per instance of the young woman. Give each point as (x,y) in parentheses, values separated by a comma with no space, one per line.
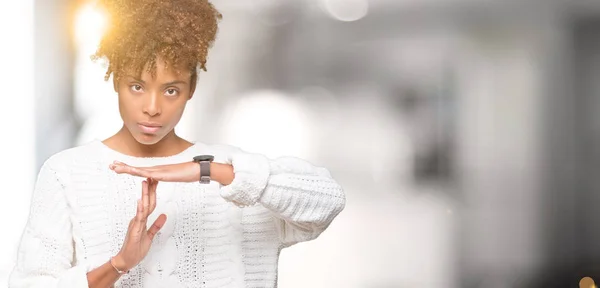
(219,217)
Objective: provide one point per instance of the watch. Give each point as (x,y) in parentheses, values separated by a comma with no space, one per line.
(204,161)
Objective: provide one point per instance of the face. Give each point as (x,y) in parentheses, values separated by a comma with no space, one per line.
(151,106)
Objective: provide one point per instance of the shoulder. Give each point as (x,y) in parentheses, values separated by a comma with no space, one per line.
(66,157)
(57,167)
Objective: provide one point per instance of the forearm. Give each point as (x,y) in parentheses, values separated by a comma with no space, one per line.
(104,276)
(293,189)
(305,198)
(308,202)
(222,173)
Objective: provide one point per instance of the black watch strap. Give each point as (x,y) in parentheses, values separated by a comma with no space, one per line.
(204,161)
(204,172)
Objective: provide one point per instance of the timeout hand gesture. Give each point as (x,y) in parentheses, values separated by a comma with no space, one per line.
(139,238)
(180,172)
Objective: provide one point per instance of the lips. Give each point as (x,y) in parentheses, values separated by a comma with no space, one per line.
(149,128)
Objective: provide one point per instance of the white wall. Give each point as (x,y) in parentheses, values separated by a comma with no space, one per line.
(17,148)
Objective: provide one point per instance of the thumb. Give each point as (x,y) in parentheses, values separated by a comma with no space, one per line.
(158,224)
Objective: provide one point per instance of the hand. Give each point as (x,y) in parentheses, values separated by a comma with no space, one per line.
(182,172)
(139,239)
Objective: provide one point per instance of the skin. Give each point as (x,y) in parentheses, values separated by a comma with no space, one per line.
(160,101)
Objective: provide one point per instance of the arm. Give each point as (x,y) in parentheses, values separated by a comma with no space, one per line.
(46,249)
(304,198)
(104,276)
(137,240)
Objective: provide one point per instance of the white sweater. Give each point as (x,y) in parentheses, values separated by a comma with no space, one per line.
(215,236)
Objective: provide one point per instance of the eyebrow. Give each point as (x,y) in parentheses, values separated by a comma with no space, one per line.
(164,85)
(174,82)
(136,79)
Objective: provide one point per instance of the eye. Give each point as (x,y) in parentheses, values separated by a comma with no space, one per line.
(171,92)
(136,88)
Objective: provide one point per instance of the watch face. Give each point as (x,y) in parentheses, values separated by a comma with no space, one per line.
(204,158)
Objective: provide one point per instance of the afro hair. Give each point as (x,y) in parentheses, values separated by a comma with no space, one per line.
(180,32)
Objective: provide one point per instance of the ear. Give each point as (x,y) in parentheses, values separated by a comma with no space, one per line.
(193,82)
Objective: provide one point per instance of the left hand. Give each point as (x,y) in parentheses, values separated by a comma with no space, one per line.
(181,172)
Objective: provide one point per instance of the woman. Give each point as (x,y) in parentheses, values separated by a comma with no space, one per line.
(220,216)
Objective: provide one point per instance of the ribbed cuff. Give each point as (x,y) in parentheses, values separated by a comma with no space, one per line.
(251,176)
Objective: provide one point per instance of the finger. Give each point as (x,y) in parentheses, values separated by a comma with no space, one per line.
(152,194)
(134,171)
(150,168)
(145,198)
(158,224)
(155,183)
(117,168)
(140,210)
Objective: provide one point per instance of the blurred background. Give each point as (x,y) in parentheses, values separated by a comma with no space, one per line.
(466,133)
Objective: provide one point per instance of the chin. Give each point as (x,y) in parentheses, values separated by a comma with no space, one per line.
(147,139)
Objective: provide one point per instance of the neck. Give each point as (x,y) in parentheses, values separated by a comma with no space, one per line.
(125,143)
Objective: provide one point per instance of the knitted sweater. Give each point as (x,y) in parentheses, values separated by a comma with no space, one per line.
(215,236)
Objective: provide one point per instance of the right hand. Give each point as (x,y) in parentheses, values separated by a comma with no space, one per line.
(139,239)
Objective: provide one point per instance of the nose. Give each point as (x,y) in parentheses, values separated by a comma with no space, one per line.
(152,104)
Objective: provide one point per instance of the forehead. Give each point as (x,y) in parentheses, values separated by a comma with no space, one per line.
(162,72)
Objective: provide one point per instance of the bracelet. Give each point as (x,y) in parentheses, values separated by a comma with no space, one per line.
(117,269)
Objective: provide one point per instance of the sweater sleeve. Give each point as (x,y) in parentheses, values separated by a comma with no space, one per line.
(304,198)
(45,252)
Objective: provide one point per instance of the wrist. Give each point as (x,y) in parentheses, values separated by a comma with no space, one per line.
(119,264)
(222,173)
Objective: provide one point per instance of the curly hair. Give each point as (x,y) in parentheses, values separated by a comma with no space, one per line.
(179,31)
